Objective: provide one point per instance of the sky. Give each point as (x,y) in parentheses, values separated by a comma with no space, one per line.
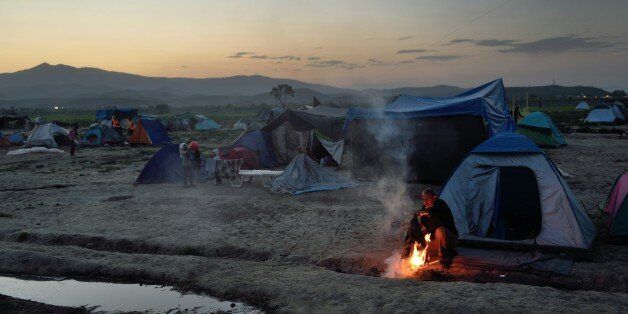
(354,44)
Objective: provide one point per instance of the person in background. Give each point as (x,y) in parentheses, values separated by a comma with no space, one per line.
(115,124)
(516,114)
(72,138)
(131,127)
(185,162)
(195,160)
(436,220)
(213,166)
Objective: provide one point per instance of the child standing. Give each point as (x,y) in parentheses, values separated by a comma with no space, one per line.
(195,159)
(185,162)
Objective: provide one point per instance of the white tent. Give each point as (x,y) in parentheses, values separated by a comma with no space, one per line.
(583,106)
(604,115)
(508,191)
(242,124)
(44,135)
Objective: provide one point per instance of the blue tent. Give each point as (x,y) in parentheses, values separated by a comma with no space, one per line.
(149,132)
(165,167)
(16,138)
(104,114)
(260,142)
(92,136)
(487,101)
(206,124)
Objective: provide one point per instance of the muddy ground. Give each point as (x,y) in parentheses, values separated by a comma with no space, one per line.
(321,252)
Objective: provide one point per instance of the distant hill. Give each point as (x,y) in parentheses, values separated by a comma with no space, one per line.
(46,85)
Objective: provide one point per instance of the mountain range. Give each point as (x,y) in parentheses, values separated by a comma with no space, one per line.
(46,85)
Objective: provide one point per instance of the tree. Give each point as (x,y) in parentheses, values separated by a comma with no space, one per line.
(281,93)
(619,93)
(162,108)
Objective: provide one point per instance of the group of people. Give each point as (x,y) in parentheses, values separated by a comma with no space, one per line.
(191,162)
(116,125)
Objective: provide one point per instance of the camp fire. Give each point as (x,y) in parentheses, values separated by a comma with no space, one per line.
(418,257)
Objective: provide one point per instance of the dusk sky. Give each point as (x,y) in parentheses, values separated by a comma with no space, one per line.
(357,44)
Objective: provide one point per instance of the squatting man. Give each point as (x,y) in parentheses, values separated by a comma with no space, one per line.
(436,220)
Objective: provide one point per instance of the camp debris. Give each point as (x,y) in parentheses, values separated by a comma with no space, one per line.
(583,106)
(508,192)
(398,136)
(149,132)
(304,175)
(541,130)
(39,150)
(605,116)
(617,210)
(101,134)
(47,135)
(165,167)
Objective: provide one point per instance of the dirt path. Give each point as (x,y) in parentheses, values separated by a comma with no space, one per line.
(322,251)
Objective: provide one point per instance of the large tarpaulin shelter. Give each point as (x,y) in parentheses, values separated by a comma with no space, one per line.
(424,138)
(507,191)
(541,130)
(295,131)
(47,135)
(617,210)
(14,122)
(304,175)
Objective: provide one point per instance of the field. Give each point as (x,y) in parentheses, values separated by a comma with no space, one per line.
(318,252)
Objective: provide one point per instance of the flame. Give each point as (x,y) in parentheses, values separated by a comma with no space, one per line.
(419,257)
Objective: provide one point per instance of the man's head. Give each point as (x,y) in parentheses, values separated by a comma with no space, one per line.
(429,197)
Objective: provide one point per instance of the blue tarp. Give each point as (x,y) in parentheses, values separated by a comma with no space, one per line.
(259,142)
(304,175)
(156,131)
(104,114)
(507,143)
(488,101)
(121,114)
(165,167)
(16,138)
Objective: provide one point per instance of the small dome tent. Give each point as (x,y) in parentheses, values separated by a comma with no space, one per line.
(47,135)
(508,191)
(604,116)
(149,132)
(583,106)
(539,127)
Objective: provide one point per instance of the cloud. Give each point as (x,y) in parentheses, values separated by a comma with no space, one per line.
(313,58)
(375,62)
(559,44)
(240,54)
(405,38)
(411,51)
(442,58)
(286,57)
(183,66)
(333,64)
(317,48)
(485,42)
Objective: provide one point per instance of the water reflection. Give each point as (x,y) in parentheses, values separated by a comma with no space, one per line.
(114,297)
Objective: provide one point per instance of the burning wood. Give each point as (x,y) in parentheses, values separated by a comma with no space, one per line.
(400,267)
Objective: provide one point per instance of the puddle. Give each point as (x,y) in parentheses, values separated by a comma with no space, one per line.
(115,297)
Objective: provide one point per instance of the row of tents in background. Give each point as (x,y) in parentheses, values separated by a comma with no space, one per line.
(605,114)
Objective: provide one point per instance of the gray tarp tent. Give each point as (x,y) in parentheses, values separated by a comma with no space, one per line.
(304,175)
(47,135)
(295,131)
(508,191)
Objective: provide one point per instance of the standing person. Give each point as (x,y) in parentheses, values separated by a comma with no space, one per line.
(195,158)
(213,166)
(516,114)
(185,162)
(131,127)
(115,124)
(72,138)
